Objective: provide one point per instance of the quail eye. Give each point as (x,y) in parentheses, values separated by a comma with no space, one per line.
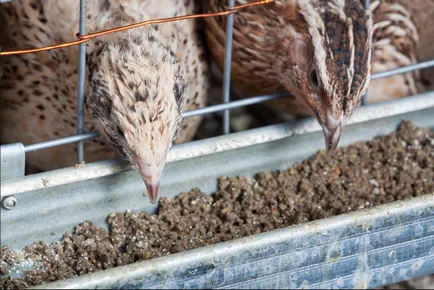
(314,80)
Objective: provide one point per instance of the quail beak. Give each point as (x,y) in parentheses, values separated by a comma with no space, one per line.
(153,188)
(151,178)
(332,130)
(332,137)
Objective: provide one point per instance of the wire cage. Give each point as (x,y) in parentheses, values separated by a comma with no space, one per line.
(265,257)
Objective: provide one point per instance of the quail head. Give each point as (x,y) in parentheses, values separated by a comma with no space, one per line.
(139,81)
(317,50)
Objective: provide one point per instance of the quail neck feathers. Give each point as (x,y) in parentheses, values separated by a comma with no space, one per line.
(317,50)
(138,81)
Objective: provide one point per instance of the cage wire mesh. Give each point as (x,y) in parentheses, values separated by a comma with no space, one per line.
(224,107)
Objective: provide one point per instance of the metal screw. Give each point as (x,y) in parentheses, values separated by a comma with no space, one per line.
(10,202)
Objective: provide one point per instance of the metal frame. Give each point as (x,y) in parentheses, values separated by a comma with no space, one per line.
(38,192)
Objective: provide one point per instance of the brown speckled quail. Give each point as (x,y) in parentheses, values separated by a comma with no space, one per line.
(138,81)
(317,50)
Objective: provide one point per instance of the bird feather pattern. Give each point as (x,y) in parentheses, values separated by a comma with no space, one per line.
(139,81)
(319,51)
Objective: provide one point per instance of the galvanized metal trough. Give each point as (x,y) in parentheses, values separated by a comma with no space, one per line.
(363,249)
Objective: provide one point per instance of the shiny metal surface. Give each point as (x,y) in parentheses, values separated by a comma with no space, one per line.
(362,249)
(359,250)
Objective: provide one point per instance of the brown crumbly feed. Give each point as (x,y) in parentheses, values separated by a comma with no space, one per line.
(400,164)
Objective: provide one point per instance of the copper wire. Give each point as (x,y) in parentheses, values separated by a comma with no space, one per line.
(45,48)
(84,38)
(155,21)
(249,4)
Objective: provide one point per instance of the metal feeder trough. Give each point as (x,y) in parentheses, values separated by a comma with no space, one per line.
(362,249)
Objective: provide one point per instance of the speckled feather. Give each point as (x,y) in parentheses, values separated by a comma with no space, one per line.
(277,44)
(152,74)
(263,33)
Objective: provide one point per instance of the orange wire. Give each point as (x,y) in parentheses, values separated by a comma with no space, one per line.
(163,20)
(84,38)
(45,48)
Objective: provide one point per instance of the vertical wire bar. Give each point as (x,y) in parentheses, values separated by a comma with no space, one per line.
(227,67)
(81,81)
(365,96)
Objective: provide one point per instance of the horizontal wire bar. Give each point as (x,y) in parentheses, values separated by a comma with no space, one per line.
(233,105)
(60,141)
(220,107)
(201,111)
(403,70)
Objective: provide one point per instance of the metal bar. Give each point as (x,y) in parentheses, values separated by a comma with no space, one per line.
(201,111)
(219,144)
(61,141)
(81,82)
(403,70)
(365,96)
(217,108)
(227,67)
(234,104)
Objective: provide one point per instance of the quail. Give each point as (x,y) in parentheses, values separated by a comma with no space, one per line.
(139,81)
(319,51)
